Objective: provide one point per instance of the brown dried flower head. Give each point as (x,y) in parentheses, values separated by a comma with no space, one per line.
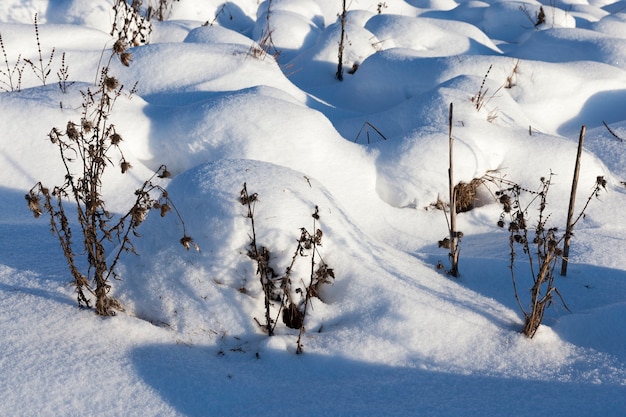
(246,199)
(71,131)
(119,46)
(110,83)
(54,135)
(125,165)
(126,58)
(139,214)
(115,139)
(187,242)
(87,125)
(165,173)
(33,204)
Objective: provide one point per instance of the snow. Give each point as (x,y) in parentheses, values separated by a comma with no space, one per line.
(392,334)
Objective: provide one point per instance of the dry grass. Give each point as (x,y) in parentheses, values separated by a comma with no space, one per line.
(265,46)
(467,194)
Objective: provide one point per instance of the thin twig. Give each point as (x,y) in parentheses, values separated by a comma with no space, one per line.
(612,132)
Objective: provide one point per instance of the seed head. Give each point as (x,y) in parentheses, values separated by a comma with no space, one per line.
(110,83)
(125,166)
(318,237)
(54,135)
(165,173)
(187,242)
(87,125)
(139,214)
(119,46)
(126,58)
(33,204)
(71,131)
(115,139)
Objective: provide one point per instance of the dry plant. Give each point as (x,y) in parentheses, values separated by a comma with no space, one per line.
(543,249)
(160,9)
(222,10)
(367,126)
(265,46)
(541,17)
(129,25)
(86,150)
(355,68)
(615,135)
(538,19)
(320,274)
(465,198)
(512,77)
(261,256)
(63,75)
(41,67)
(11,77)
(41,71)
(482,97)
(293,299)
(466,194)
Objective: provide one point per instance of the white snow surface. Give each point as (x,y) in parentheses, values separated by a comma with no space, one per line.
(392,334)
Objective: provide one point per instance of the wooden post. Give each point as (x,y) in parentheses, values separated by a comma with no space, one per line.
(572,200)
(454,255)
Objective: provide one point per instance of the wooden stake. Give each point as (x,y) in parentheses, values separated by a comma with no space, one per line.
(572,200)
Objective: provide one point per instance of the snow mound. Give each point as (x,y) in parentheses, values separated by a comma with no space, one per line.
(216,292)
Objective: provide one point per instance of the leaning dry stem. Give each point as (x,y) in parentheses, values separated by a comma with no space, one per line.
(572,201)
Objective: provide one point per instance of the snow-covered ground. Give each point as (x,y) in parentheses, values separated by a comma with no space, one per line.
(394,335)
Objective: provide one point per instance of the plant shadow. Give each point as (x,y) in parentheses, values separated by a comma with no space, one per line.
(201,381)
(587,313)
